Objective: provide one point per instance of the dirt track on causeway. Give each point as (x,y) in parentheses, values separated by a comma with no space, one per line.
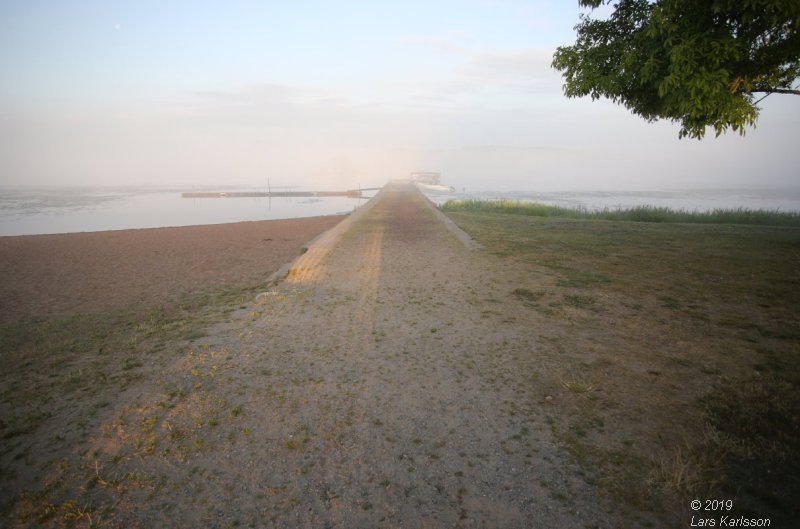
(379,385)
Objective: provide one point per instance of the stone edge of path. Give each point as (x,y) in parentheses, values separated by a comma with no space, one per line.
(460,234)
(330,237)
(327,238)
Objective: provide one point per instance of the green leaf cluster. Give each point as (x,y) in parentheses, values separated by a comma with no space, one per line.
(695,62)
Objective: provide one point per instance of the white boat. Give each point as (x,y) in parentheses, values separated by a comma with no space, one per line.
(431,182)
(436,188)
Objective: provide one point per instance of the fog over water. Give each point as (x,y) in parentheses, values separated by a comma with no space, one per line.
(29,211)
(330,95)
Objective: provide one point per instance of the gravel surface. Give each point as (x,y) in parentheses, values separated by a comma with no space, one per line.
(379,385)
(387,381)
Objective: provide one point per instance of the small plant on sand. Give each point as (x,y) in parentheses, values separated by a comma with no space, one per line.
(73,513)
(296,442)
(581,302)
(528,296)
(579,388)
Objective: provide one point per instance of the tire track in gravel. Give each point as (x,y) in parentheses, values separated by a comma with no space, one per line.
(418,401)
(382,384)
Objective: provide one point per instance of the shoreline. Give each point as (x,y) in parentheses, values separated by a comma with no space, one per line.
(179,226)
(173,227)
(56,275)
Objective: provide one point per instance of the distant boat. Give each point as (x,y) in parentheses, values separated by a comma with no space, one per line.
(431,182)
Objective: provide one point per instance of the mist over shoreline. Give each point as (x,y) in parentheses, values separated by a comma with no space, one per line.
(29,210)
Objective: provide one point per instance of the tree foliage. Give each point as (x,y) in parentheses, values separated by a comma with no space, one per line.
(696,62)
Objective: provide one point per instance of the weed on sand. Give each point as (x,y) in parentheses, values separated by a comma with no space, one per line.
(62,385)
(679,347)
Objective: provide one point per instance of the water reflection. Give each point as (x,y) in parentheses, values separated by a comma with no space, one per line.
(25,211)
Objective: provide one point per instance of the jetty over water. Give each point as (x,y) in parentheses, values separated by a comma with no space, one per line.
(352,193)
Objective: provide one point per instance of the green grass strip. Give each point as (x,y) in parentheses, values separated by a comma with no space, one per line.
(757,217)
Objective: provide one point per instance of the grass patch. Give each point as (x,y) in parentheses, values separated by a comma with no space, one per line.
(578,301)
(60,386)
(748,449)
(756,428)
(700,322)
(757,217)
(527,295)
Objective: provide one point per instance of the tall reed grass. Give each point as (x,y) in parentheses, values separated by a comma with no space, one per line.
(758,217)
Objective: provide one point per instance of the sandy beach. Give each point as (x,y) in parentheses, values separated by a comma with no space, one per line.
(45,276)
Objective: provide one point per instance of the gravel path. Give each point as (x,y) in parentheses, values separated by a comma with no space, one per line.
(390,380)
(380,385)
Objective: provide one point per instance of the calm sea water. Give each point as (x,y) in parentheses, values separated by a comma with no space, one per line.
(27,211)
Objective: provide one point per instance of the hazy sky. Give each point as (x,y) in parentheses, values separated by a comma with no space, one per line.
(336,94)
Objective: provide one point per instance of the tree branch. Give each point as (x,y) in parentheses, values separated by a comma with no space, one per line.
(776,91)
